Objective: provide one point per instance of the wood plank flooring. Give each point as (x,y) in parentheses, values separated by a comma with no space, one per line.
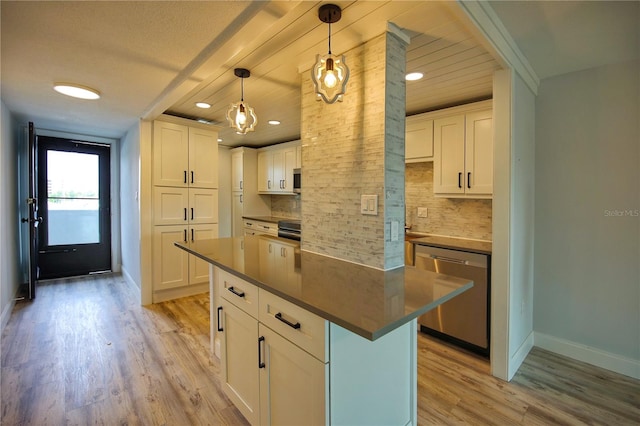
(85,352)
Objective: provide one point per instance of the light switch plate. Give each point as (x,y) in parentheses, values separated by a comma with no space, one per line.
(369,204)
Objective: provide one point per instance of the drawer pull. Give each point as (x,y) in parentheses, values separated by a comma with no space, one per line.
(260,362)
(236,292)
(295,326)
(219,323)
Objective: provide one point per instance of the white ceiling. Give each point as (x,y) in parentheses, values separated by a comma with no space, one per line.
(150,57)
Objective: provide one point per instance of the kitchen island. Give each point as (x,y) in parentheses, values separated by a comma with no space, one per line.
(309,339)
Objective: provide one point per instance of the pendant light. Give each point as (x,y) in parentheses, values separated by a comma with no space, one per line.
(330,73)
(241,116)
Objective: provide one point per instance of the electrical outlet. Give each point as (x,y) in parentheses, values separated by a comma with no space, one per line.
(423,212)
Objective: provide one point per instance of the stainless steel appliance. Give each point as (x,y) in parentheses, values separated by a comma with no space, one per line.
(289,228)
(463,320)
(297,181)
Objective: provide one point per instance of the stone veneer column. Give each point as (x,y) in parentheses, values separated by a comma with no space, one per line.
(354,148)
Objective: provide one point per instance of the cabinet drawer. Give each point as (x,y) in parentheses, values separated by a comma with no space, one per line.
(242,294)
(301,327)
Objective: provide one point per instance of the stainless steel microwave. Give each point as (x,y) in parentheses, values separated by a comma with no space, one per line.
(297,180)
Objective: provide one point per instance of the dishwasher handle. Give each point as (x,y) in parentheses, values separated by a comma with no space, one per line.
(449,259)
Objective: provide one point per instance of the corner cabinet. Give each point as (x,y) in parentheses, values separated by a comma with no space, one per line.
(463,153)
(185,205)
(275,168)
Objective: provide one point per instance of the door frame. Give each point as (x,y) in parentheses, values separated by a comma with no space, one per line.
(116,256)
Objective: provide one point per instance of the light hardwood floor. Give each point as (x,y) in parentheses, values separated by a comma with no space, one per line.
(85,352)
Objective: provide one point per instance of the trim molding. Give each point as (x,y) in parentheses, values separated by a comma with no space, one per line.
(6,314)
(128,278)
(519,356)
(487,22)
(607,360)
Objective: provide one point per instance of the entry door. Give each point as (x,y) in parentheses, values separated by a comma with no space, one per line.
(74,202)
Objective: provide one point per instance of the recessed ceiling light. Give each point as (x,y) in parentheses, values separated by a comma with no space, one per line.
(413,76)
(203,105)
(219,140)
(274,122)
(76,91)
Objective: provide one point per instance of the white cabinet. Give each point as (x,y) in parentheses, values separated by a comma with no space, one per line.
(275,169)
(418,139)
(184,156)
(185,204)
(244,183)
(257,227)
(268,363)
(463,151)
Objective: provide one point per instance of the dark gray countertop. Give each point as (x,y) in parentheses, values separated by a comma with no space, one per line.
(462,244)
(364,300)
(270,219)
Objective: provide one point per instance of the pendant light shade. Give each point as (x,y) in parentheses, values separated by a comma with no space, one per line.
(330,72)
(241,116)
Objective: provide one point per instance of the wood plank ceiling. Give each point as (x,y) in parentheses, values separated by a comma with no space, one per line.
(457,68)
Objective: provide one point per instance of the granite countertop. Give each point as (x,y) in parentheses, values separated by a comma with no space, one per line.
(270,219)
(462,244)
(364,300)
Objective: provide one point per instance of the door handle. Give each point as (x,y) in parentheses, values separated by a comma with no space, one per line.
(192,239)
(295,326)
(260,362)
(185,235)
(460,180)
(469,180)
(236,292)
(191,213)
(240,184)
(219,323)
(185,176)
(185,213)
(191,176)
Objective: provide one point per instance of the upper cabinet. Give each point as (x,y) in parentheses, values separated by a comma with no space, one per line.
(184,156)
(418,142)
(463,152)
(275,168)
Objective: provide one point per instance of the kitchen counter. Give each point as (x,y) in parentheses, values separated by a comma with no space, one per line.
(461,244)
(363,300)
(269,219)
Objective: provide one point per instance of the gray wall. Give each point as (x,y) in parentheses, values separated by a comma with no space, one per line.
(129,203)
(587,273)
(9,222)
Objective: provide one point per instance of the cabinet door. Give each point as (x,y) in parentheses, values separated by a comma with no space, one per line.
(237,224)
(239,360)
(203,205)
(170,154)
(170,205)
(289,156)
(418,142)
(198,268)
(236,171)
(278,165)
(265,171)
(170,264)
(292,383)
(448,167)
(203,158)
(479,153)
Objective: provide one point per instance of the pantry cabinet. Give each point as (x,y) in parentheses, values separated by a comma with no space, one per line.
(184,204)
(275,169)
(463,154)
(184,156)
(244,184)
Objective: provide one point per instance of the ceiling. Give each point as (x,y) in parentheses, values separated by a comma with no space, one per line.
(149,57)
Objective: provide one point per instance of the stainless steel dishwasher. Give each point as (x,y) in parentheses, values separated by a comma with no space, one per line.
(463,320)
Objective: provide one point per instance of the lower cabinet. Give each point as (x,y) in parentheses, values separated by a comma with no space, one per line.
(269,378)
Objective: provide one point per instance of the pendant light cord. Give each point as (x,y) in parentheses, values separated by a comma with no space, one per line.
(329,38)
(242,89)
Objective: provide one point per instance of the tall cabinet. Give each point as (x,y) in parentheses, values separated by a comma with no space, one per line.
(185,205)
(244,186)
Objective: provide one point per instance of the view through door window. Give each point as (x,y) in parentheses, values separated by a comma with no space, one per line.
(73,198)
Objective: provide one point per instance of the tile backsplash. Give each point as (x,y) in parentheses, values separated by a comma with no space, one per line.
(466,218)
(287,206)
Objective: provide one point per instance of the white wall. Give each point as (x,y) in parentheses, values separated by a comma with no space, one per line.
(224,191)
(129,204)
(9,215)
(587,257)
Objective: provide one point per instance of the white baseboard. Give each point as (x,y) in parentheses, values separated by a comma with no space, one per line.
(6,314)
(518,358)
(607,360)
(128,278)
